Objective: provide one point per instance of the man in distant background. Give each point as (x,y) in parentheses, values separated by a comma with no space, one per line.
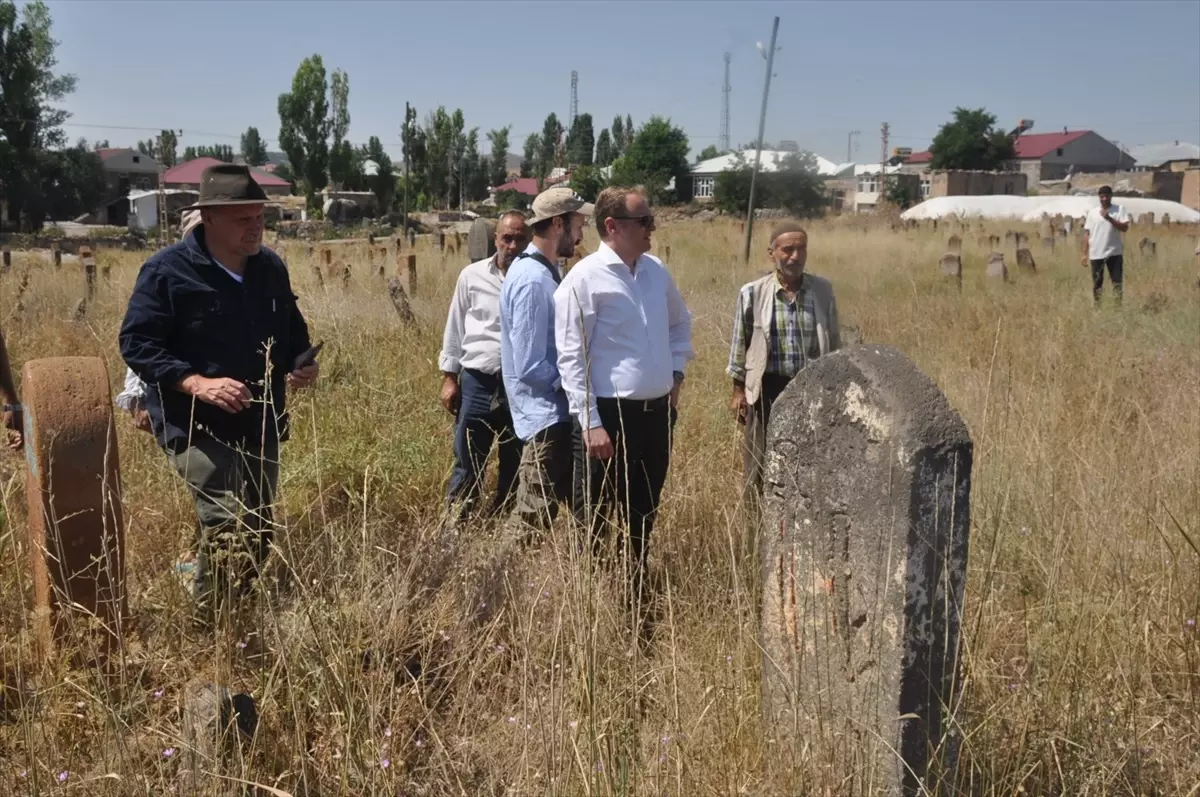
(1103,246)
(472,384)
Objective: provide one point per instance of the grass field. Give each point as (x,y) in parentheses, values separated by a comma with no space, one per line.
(1081,648)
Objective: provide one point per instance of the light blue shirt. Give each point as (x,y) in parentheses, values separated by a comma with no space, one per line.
(528,355)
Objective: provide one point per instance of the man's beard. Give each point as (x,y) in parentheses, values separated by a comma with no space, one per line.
(566,247)
(790,272)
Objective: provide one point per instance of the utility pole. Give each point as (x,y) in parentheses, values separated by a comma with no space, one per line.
(723,138)
(762,123)
(883,161)
(404,138)
(849,145)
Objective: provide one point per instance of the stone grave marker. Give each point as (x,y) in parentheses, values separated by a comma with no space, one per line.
(864,552)
(996,267)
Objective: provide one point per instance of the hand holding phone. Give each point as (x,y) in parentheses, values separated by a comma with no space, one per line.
(309,356)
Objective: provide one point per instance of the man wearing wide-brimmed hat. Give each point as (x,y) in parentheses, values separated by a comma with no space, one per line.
(214,331)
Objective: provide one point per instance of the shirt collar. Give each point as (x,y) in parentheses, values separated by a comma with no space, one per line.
(611,258)
(779,286)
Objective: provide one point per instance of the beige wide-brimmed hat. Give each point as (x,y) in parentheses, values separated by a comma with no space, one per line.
(228,184)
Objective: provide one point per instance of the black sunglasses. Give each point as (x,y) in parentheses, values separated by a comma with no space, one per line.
(645,221)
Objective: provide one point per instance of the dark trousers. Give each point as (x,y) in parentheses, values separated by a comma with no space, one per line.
(1116,272)
(233,490)
(754,437)
(483,418)
(630,483)
(547,466)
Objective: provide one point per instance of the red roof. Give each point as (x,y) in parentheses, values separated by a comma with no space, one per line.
(189,174)
(1039,145)
(107,152)
(1030,146)
(522,185)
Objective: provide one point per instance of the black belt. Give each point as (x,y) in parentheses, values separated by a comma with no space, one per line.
(639,405)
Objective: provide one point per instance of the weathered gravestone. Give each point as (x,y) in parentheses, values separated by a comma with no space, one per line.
(951,266)
(481,240)
(76,524)
(1025,261)
(954,244)
(215,724)
(864,541)
(399,301)
(6,258)
(996,268)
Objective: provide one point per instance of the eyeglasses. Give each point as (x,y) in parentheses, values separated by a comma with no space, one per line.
(646,221)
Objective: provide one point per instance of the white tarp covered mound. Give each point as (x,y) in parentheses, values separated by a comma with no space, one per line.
(1031,208)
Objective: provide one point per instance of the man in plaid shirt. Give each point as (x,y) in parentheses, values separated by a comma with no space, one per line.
(783,321)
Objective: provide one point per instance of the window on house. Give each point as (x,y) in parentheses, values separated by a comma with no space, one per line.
(144,183)
(868,185)
(1058,152)
(925,190)
(137,158)
(703,187)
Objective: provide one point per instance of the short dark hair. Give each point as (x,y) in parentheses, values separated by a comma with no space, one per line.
(787,227)
(613,203)
(511,214)
(1105,189)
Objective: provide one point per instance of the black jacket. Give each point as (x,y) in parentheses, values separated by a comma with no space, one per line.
(187,315)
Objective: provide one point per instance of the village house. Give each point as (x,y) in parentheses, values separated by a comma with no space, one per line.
(1051,156)
(704,174)
(186,176)
(1170,157)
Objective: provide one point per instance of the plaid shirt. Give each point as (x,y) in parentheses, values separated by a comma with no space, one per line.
(793,332)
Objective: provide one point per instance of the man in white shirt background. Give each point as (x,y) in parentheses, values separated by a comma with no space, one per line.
(472,384)
(624,338)
(1102,243)
(530,358)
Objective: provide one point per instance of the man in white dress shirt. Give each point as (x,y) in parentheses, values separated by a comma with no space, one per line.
(624,338)
(472,385)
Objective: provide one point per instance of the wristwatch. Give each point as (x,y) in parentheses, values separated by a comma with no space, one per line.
(679,377)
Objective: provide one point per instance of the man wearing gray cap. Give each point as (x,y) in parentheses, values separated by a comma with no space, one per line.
(529,358)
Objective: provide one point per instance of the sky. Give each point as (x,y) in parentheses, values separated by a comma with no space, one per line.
(1129,70)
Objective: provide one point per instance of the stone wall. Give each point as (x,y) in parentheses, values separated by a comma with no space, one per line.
(1159,185)
(1190,189)
(977,183)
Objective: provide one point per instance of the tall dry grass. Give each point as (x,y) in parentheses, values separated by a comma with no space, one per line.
(1081,654)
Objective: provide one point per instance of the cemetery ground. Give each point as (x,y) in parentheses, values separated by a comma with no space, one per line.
(1080,639)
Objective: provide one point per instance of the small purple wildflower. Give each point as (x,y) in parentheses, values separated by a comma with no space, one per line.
(420,742)
(573,724)
(158,693)
(62,776)
(385,763)
(1013,687)
(1190,623)
(512,720)
(170,751)
(388,731)
(241,645)
(23,773)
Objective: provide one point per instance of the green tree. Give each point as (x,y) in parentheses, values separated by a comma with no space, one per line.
(708,153)
(630,133)
(498,160)
(446,144)
(30,124)
(167,144)
(533,143)
(548,147)
(587,181)
(656,155)
(416,156)
(98,145)
(604,148)
(304,125)
(284,172)
(580,141)
(971,141)
(902,194)
(222,152)
(618,137)
(254,149)
(795,187)
(383,183)
(73,181)
(341,152)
